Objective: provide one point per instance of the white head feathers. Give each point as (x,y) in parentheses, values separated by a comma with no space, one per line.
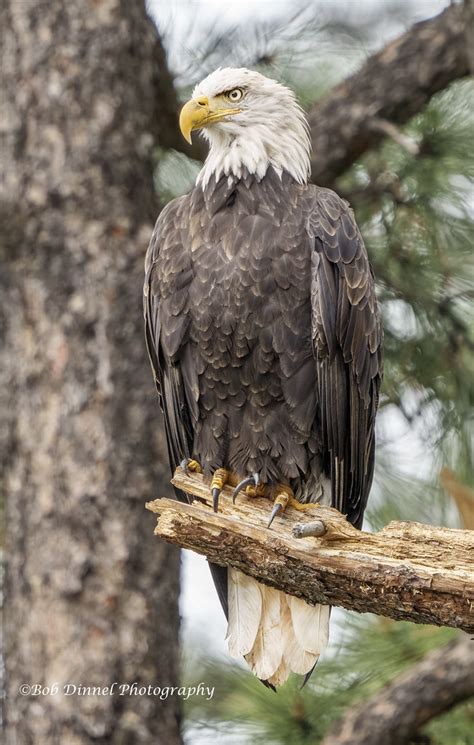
(269,129)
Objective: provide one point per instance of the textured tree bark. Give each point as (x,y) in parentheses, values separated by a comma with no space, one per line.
(393,85)
(91,598)
(406,571)
(441,680)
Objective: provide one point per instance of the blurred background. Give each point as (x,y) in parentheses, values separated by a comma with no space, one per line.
(92,153)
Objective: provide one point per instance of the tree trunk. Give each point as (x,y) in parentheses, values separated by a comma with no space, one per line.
(91,597)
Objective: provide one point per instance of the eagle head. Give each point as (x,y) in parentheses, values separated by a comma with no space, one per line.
(251,122)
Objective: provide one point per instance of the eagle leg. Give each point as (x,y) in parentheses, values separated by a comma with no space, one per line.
(189,465)
(220,478)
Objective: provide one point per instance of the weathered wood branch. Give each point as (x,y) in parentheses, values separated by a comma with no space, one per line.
(406,571)
(441,680)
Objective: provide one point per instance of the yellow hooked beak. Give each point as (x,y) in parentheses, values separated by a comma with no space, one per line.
(199,112)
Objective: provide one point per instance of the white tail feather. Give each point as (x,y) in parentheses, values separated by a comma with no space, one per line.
(281,674)
(311,624)
(245,610)
(276,633)
(267,652)
(296,658)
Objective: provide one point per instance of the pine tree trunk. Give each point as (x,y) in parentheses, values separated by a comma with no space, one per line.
(91,597)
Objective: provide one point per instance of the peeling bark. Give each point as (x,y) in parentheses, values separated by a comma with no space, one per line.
(90,597)
(407,571)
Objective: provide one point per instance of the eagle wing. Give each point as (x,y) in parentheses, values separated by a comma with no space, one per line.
(173,371)
(167,370)
(347,343)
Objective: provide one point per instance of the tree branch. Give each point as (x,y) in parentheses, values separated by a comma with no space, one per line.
(167,107)
(441,680)
(393,85)
(406,571)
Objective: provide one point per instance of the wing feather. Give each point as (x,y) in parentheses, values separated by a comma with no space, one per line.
(347,343)
(176,377)
(164,323)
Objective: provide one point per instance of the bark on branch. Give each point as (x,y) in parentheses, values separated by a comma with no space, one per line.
(407,571)
(441,680)
(392,86)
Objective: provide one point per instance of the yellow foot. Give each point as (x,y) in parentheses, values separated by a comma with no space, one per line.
(190,466)
(251,486)
(256,491)
(220,478)
(285,498)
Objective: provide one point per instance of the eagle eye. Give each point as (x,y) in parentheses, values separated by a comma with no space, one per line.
(235,95)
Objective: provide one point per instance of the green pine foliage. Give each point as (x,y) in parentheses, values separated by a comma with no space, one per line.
(370,653)
(416,215)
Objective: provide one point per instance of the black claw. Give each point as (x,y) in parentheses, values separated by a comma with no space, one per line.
(241,485)
(215,499)
(255,480)
(276,511)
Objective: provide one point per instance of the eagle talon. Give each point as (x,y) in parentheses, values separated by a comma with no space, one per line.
(277,508)
(253,480)
(215,499)
(283,498)
(220,478)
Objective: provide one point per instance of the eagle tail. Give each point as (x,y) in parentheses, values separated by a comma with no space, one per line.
(276,633)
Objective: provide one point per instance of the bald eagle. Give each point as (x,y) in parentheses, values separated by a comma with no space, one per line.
(265,340)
